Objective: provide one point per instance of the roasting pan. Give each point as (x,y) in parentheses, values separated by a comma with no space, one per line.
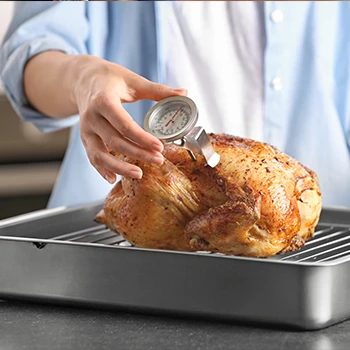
(63,256)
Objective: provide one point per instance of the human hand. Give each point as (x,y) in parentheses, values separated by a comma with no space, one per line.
(99,93)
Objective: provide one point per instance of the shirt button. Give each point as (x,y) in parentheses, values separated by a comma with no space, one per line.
(276,83)
(277,16)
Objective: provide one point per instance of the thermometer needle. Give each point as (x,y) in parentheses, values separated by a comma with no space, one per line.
(173,117)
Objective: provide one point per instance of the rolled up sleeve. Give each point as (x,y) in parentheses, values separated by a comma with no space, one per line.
(37,27)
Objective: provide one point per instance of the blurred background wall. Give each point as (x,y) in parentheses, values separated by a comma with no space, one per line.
(29,160)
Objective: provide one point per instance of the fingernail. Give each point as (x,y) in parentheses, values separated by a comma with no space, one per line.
(136,174)
(158,147)
(109,179)
(180,90)
(157,159)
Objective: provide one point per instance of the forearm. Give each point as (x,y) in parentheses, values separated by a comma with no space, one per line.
(49,82)
(60,85)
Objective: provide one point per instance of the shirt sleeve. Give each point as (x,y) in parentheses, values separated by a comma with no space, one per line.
(39,26)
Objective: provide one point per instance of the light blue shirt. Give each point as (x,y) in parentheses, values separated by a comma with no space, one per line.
(309,52)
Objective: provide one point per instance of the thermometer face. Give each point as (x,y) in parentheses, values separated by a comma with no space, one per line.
(171,118)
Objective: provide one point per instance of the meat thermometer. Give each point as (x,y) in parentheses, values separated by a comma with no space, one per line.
(173,120)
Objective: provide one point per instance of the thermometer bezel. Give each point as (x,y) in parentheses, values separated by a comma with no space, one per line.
(163,104)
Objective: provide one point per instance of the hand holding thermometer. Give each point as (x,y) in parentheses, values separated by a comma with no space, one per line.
(173,120)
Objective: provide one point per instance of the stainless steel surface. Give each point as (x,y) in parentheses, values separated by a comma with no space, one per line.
(64,257)
(197,141)
(30,216)
(23,142)
(28,178)
(29,162)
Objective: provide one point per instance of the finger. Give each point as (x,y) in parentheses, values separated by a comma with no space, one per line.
(121,120)
(106,164)
(119,144)
(144,89)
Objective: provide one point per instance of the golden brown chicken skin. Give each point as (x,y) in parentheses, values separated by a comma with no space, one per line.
(256,202)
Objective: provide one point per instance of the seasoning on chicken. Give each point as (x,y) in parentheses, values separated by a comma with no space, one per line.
(256,202)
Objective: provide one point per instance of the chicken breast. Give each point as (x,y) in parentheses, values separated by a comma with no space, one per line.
(256,202)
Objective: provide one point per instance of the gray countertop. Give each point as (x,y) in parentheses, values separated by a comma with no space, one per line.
(33,326)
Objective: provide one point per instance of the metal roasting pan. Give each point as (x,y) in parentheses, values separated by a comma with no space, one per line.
(63,256)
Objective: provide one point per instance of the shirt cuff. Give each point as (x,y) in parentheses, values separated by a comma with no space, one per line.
(12,77)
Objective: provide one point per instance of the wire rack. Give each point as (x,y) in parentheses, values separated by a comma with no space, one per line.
(330,242)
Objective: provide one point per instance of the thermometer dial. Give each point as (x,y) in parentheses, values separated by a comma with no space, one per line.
(172,118)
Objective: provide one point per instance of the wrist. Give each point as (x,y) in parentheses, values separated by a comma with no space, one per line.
(84,69)
(75,69)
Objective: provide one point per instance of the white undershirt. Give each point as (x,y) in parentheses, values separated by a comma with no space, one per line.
(215,50)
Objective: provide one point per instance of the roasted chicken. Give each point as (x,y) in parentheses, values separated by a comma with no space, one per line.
(256,202)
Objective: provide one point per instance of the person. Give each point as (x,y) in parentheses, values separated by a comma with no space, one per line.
(278,72)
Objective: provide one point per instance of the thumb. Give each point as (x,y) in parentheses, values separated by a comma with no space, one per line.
(156,92)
